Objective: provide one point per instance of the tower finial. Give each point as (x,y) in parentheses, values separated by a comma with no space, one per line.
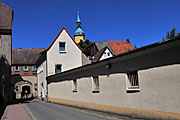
(77,11)
(78,18)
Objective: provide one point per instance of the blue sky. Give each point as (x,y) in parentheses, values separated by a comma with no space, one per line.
(37,22)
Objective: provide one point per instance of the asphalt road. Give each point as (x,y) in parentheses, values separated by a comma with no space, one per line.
(47,111)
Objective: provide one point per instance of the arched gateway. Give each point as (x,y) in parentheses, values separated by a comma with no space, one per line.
(23,90)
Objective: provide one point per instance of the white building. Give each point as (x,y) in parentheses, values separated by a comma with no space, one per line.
(61,55)
(144,82)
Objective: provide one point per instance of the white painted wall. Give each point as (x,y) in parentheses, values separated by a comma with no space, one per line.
(159,88)
(41,78)
(105,55)
(70,59)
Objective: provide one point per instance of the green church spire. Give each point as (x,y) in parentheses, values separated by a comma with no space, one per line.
(78,31)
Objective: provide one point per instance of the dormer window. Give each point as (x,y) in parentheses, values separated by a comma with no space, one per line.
(34,68)
(62,47)
(25,68)
(16,68)
(108,53)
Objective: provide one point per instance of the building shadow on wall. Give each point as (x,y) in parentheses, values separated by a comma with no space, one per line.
(5,84)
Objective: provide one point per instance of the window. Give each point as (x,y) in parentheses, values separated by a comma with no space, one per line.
(34,68)
(58,69)
(25,68)
(95,84)
(74,86)
(62,47)
(16,88)
(16,68)
(132,81)
(108,54)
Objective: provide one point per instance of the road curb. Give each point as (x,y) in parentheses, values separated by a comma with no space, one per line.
(29,113)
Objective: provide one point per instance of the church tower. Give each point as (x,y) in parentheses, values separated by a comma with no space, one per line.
(79,34)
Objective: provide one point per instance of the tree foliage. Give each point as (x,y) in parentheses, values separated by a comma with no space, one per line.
(171,34)
(135,46)
(86,46)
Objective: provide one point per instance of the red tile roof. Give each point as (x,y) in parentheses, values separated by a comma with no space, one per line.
(119,47)
(58,36)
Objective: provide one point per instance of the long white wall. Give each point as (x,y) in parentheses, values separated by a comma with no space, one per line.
(158,90)
(158,74)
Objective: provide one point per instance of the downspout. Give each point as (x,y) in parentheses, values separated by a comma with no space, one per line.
(46,79)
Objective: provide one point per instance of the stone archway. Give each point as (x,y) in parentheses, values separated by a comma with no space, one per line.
(23,90)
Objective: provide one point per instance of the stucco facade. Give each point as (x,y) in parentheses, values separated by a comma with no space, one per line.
(106,54)
(158,67)
(70,58)
(6,18)
(41,78)
(24,80)
(79,38)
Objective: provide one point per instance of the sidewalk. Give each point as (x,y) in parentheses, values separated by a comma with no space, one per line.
(15,112)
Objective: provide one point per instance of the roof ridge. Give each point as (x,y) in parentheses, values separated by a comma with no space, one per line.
(58,36)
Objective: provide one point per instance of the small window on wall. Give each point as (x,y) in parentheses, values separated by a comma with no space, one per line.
(25,68)
(58,68)
(16,88)
(62,47)
(108,53)
(16,68)
(95,84)
(132,81)
(74,86)
(34,68)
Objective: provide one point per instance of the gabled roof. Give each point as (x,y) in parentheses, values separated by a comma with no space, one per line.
(101,44)
(119,47)
(25,56)
(152,48)
(100,53)
(58,36)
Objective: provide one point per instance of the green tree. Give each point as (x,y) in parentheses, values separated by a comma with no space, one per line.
(178,34)
(135,46)
(167,35)
(171,34)
(86,46)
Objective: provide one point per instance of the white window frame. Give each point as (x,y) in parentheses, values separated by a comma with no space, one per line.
(16,69)
(25,69)
(33,68)
(131,85)
(55,68)
(74,85)
(95,84)
(64,46)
